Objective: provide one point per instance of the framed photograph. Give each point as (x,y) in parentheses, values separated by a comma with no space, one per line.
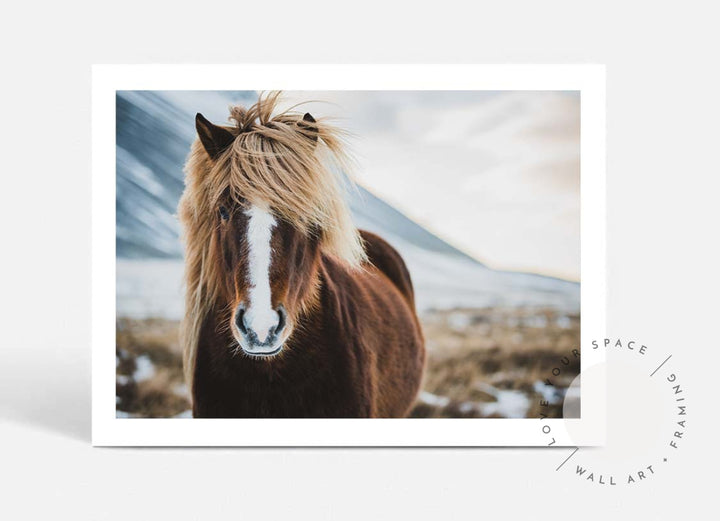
(348,255)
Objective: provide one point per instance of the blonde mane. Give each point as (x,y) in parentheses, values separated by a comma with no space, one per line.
(275,161)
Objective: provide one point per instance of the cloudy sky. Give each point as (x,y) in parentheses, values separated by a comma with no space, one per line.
(496,174)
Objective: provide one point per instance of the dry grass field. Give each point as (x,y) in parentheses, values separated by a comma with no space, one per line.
(492,363)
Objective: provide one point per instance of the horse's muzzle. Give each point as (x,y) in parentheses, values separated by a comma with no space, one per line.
(261,341)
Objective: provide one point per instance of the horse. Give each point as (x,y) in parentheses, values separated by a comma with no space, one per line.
(291,311)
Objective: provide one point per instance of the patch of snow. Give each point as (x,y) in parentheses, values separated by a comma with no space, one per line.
(144,369)
(433,399)
(184,414)
(549,393)
(467,407)
(508,404)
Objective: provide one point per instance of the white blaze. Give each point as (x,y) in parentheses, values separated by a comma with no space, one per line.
(260,317)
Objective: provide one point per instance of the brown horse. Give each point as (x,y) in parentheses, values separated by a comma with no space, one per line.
(290,310)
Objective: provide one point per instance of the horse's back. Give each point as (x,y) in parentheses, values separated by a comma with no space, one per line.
(399,348)
(386,259)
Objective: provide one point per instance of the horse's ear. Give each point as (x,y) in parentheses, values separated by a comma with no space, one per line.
(309,127)
(215,139)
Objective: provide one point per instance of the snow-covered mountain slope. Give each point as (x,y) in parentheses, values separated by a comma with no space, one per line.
(154,132)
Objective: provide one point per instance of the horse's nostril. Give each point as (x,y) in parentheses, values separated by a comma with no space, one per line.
(240,320)
(281,318)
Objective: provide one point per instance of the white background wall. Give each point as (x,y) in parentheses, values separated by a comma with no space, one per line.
(662,246)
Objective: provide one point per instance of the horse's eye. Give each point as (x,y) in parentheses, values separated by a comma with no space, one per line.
(224,215)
